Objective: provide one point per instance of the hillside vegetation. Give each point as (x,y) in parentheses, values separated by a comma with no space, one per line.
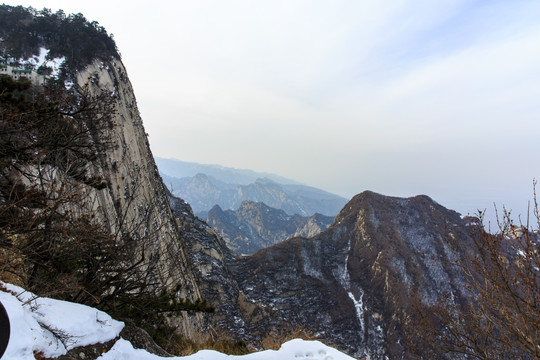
(24,31)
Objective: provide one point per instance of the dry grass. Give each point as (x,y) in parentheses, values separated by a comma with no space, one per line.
(179,345)
(12,269)
(274,340)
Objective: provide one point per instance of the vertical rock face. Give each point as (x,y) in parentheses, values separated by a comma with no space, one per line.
(135,202)
(350,284)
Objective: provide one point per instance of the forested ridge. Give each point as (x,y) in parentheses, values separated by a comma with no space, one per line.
(23,31)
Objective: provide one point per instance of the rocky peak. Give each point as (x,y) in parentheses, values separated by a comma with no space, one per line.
(351,283)
(201,177)
(259,210)
(385,205)
(255,225)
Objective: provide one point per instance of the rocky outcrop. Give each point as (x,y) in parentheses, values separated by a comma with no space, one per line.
(254,226)
(350,284)
(212,260)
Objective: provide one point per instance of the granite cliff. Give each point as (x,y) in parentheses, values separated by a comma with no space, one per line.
(135,196)
(115,188)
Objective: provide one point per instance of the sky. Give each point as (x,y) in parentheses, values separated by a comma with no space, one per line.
(400,97)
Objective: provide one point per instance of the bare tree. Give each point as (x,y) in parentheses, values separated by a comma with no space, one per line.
(50,241)
(48,139)
(500,319)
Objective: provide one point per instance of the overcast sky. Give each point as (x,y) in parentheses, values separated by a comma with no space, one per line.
(400,97)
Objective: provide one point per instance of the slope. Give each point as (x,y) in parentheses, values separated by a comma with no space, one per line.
(353,283)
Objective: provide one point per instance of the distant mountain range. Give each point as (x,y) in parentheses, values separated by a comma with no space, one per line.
(204,186)
(255,225)
(184,169)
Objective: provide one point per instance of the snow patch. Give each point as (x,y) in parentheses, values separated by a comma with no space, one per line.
(52,327)
(42,60)
(345,280)
(294,349)
(359,308)
(54,63)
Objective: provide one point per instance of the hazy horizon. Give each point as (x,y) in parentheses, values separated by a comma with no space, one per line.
(400,98)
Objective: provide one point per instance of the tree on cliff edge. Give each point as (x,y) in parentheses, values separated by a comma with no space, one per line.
(48,141)
(51,243)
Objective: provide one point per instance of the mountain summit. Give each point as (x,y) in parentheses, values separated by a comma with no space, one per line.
(353,283)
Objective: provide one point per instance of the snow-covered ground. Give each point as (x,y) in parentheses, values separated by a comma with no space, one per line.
(35,321)
(52,327)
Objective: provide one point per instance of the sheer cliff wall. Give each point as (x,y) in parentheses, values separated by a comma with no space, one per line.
(134,205)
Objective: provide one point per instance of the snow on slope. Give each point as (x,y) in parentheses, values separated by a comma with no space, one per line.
(32,319)
(41,60)
(294,349)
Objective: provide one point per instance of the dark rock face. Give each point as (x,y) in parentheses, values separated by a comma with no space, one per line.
(140,339)
(93,351)
(210,259)
(350,284)
(254,226)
